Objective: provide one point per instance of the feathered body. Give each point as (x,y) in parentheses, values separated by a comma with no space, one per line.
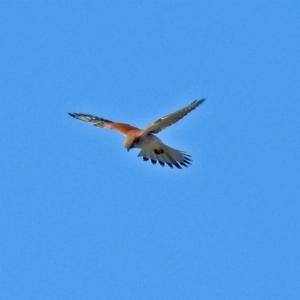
(152,148)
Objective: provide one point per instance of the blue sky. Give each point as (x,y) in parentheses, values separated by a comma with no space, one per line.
(81,218)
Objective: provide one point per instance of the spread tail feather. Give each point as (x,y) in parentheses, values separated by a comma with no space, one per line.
(167,155)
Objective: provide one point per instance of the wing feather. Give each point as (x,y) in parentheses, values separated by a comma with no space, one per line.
(170,119)
(103,123)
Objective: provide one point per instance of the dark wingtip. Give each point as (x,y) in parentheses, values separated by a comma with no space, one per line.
(177,165)
(72,115)
(201,100)
(184,164)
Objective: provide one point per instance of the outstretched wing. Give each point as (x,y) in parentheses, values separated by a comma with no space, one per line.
(170,119)
(103,123)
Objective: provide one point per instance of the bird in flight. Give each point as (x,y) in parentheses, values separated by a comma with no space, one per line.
(151,146)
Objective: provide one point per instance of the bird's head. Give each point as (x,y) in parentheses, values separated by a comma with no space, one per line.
(129,142)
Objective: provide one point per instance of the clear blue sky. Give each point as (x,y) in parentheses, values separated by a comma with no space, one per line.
(81,218)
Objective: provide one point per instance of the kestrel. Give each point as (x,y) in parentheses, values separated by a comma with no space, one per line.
(151,146)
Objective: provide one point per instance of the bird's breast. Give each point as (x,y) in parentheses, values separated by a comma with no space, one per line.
(149,141)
